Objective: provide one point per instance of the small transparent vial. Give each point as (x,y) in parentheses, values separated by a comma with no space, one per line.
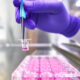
(25,45)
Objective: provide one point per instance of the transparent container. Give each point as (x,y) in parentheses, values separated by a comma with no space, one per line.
(45,68)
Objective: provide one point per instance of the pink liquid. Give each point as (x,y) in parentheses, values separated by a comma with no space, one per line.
(42,68)
(25,48)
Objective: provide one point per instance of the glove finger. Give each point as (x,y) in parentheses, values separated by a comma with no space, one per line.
(17,15)
(40,6)
(16,3)
(29,23)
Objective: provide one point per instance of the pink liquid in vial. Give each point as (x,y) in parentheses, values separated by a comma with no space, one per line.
(25,48)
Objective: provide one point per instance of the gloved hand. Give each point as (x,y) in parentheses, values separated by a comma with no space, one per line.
(49,16)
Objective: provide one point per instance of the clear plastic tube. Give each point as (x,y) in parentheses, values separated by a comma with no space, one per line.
(25,45)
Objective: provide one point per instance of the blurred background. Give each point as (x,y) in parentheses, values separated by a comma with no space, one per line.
(10,32)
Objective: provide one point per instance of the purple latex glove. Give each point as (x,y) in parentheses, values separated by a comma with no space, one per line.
(49,16)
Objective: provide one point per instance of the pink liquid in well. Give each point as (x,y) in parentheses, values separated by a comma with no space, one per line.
(43,68)
(25,48)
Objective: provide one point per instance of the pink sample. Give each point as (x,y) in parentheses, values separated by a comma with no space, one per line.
(25,48)
(45,68)
(25,45)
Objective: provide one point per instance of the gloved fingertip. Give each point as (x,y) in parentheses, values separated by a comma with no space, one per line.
(18,20)
(17,15)
(30,27)
(30,24)
(16,3)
